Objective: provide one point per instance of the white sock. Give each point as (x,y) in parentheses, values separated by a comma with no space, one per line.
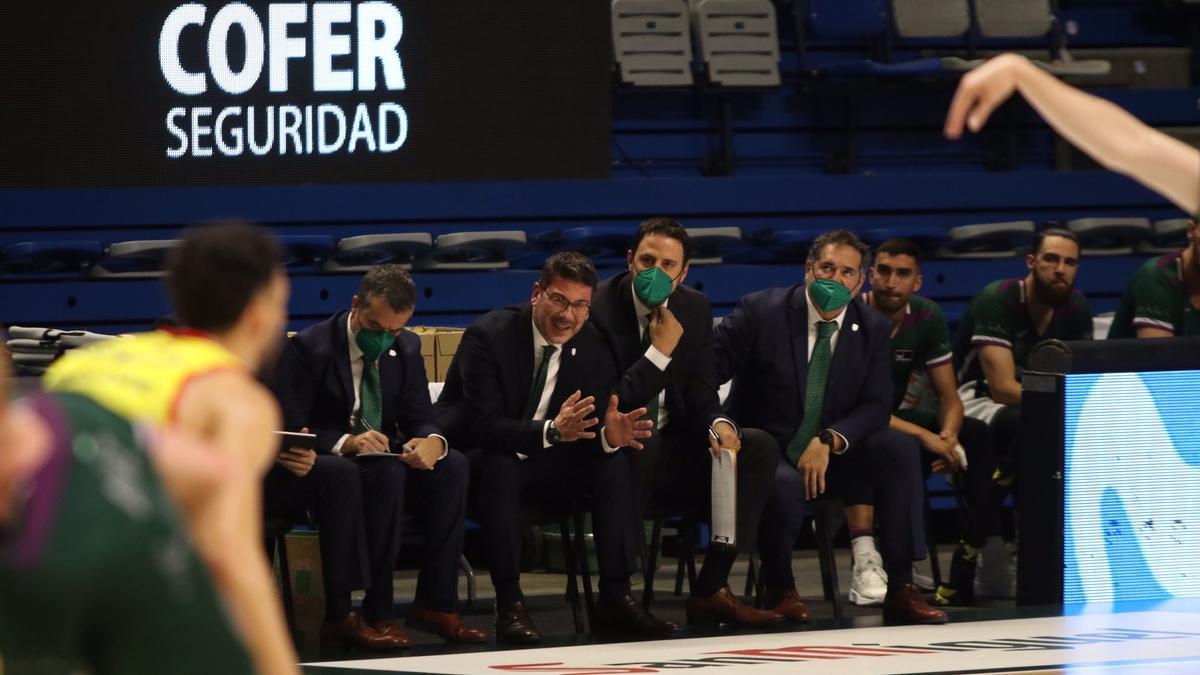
(862,546)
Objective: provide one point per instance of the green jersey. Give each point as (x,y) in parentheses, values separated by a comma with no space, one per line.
(998,316)
(921,343)
(1156,298)
(98,573)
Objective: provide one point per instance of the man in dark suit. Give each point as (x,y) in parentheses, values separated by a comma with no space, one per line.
(524,387)
(357,381)
(660,332)
(811,365)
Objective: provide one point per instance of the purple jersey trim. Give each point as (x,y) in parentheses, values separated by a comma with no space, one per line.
(47,484)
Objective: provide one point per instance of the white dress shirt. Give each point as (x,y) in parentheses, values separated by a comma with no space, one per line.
(813,318)
(543,407)
(356,371)
(659,359)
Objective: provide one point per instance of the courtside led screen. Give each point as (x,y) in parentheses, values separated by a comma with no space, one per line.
(143,92)
(1131,486)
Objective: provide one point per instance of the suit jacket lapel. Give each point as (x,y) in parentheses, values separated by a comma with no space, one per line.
(848,351)
(625,323)
(524,356)
(798,327)
(341,356)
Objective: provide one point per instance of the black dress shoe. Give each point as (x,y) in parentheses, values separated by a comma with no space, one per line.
(625,616)
(515,626)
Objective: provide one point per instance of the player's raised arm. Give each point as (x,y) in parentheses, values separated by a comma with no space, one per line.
(1111,136)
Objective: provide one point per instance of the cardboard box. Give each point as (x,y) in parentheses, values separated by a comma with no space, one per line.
(447,345)
(438,346)
(308,590)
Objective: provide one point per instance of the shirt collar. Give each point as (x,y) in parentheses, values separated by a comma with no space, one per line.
(814,316)
(539,340)
(356,353)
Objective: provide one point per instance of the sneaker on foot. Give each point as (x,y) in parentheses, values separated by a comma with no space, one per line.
(960,588)
(923,582)
(869,580)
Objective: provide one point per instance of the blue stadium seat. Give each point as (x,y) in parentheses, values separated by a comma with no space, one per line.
(488,250)
(777,246)
(605,245)
(1168,236)
(710,245)
(988,240)
(864,21)
(48,259)
(928,237)
(1110,236)
(135,259)
(358,254)
(305,251)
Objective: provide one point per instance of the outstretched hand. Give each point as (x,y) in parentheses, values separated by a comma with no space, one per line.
(981,91)
(624,429)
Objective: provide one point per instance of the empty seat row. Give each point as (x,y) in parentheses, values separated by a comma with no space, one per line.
(875,22)
(606,245)
(739,42)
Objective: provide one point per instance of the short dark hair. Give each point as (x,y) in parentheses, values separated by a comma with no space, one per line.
(568,265)
(1040,238)
(840,238)
(900,246)
(217,270)
(668,227)
(392,283)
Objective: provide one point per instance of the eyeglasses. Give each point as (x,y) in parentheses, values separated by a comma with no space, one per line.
(559,302)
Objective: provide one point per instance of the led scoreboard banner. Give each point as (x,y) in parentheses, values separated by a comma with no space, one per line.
(1109,472)
(101,94)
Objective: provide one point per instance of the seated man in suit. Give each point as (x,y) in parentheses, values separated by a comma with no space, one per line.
(926,406)
(660,332)
(524,387)
(810,366)
(357,381)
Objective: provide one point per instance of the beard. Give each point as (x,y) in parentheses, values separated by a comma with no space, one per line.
(888,303)
(1051,294)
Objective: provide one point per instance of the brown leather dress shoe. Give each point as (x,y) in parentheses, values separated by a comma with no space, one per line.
(515,626)
(352,631)
(788,604)
(446,625)
(626,617)
(907,606)
(724,607)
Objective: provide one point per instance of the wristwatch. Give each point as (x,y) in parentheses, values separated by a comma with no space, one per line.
(827,438)
(552,434)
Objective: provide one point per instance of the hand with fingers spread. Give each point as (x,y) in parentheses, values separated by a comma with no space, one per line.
(625,429)
(665,331)
(297,460)
(573,421)
(423,453)
(813,464)
(981,91)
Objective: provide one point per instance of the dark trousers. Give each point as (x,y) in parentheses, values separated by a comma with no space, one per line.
(983,496)
(674,470)
(882,470)
(359,508)
(554,480)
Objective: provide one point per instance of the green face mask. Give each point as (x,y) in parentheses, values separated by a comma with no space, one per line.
(653,286)
(374,342)
(828,295)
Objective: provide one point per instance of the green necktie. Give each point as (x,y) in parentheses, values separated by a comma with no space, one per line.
(370,413)
(814,391)
(539,383)
(652,404)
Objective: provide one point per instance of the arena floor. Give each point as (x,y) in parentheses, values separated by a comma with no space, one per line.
(1162,639)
